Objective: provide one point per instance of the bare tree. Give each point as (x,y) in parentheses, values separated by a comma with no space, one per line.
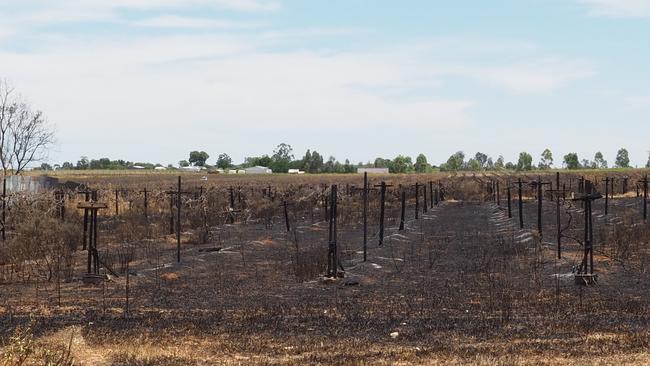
(25,135)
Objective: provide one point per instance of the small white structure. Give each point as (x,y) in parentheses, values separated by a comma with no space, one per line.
(295,171)
(191,169)
(373,170)
(160,168)
(258,170)
(137,167)
(241,171)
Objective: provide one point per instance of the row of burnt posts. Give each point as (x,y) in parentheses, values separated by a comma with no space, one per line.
(433,198)
(586,195)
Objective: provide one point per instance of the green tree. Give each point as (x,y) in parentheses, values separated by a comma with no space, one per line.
(330,165)
(547,159)
(67,165)
(183,163)
(224,161)
(347,167)
(83,163)
(481,159)
(382,163)
(421,164)
(198,158)
(46,166)
(510,166)
(499,163)
(647,165)
(282,156)
(599,161)
(456,161)
(622,158)
(525,161)
(571,161)
(306,162)
(401,164)
(473,164)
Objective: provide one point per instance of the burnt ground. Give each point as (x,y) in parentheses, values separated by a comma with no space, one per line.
(460,285)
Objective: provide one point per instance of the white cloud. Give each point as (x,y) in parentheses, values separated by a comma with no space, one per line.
(537,76)
(172,21)
(618,8)
(166,89)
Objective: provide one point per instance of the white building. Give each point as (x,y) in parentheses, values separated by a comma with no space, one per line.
(258,170)
(296,171)
(373,170)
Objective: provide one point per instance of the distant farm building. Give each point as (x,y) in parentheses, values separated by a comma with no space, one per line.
(295,171)
(258,170)
(160,168)
(373,170)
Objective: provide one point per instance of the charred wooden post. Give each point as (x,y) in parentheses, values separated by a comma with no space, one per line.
(521,204)
(403,210)
(365,215)
(178,221)
(92,207)
(4,209)
(325,208)
(382,210)
(498,190)
(171,212)
(85,222)
(606,180)
(232,197)
(332,254)
(431,193)
(117,201)
(146,202)
(645,197)
(509,202)
(586,273)
(417,200)
(558,217)
(286,215)
(425,207)
(625,184)
(539,185)
(558,194)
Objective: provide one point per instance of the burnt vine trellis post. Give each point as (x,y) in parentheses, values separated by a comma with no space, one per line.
(403,208)
(558,194)
(539,184)
(146,202)
(509,200)
(177,197)
(521,203)
(92,206)
(644,181)
(586,273)
(332,252)
(382,210)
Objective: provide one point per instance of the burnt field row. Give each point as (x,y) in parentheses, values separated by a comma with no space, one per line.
(390,269)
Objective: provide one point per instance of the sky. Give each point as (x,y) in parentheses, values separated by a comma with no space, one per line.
(151,80)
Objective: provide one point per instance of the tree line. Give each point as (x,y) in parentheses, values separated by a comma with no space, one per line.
(283,159)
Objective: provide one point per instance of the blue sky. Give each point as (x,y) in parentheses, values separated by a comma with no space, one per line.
(150,80)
